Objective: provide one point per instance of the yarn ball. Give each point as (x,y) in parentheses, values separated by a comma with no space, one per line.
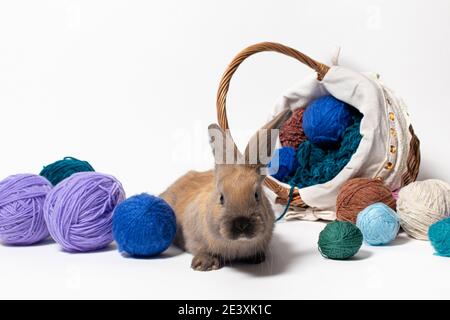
(21,209)
(359,193)
(325,120)
(317,165)
(439,235)
(340,240)
(78,211)
(283,164)
(422,203)
(378,223)
(144,225)
(61,169)
(291,132)
(395,193)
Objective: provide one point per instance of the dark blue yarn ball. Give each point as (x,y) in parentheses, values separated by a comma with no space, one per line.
(325,120)
(144,225)
(283,164)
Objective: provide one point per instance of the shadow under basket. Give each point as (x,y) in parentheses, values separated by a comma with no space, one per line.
(389,149)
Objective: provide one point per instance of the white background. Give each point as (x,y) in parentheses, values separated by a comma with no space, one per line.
(130,86)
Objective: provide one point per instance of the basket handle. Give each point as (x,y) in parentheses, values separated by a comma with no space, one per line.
(320,68)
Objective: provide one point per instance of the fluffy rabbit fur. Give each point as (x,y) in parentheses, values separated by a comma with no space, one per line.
(223,214)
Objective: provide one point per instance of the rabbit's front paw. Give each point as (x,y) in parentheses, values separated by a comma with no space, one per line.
(206,262)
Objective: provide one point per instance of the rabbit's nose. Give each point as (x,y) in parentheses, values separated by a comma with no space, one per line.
(241,224)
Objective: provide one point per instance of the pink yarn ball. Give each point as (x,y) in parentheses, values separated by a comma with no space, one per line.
(395,193)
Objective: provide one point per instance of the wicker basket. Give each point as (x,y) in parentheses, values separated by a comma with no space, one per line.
(282,190)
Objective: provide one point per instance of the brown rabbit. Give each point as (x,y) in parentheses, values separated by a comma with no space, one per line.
(223,214)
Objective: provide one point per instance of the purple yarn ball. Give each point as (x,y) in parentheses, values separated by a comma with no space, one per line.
(22,199)
(79,211)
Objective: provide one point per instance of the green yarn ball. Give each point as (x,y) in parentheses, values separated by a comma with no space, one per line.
(61,169)
(340,240)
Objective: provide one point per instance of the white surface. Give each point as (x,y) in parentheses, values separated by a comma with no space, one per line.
(294,270)
(130,86)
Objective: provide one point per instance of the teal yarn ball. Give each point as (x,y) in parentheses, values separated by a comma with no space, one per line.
(340,240)
(378,223)
(439,235)
(61,169)
(143,225)
(325,120)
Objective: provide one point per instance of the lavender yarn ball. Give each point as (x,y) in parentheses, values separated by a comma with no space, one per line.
(79,211)
(21,209)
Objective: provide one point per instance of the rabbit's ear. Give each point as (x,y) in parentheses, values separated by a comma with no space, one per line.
(223,147)
(261,146)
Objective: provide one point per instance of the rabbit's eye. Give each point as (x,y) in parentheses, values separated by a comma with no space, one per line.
(222,200)
(256,196)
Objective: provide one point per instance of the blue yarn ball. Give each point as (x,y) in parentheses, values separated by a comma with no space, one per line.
(325,120)
(143,225)
(439,235)
(378,223)
(283,164)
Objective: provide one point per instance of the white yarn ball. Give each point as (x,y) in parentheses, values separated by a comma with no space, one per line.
(422,203)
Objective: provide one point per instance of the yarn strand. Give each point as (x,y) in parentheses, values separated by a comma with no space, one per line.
(291,195)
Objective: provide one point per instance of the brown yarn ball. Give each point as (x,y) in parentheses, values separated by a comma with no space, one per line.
(291,133)
(359,193)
